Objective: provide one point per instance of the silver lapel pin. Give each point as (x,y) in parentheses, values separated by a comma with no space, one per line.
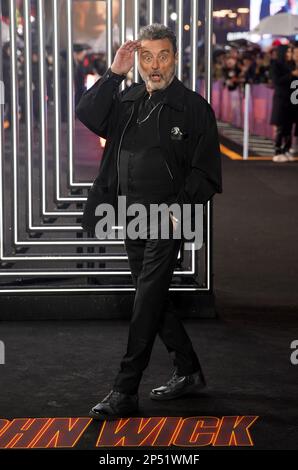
(176,131)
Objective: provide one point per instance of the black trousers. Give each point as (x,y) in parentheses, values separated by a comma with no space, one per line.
(152,262)
(283,138)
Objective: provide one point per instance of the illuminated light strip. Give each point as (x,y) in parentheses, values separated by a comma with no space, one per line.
(1,127)
(64,242)
(76,228)
(208,246)
(179,33)
(109,30)
(208,79)
(115,242)
(87,273)
(78,258)
(208,91)
(57,127)
(70,119)
(108,242)
(45,228)
(42,104)
(14,103)
(85,258)
(76,273)
(74,258)
(57,100)
(164,12)
(151,12)
(122,31)
(42,98)
(56,88)
(43,115)
(101,289)
(136,27)
(70,258)
(54,228)
(28,100)
(109,56)
(70,102)
(16,258)
(194,43)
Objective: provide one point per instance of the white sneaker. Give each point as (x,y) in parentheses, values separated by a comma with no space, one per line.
(280,158)
(294,149)
(290,156)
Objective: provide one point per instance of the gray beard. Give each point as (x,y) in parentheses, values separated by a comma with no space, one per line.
(155,89)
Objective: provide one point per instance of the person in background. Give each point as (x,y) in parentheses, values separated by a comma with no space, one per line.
(294,148)
(260,70)
(79,54)
(282,75)
(246,66)
(218,64)
(231,72)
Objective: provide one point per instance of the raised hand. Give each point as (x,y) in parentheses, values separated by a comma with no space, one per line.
(124,58)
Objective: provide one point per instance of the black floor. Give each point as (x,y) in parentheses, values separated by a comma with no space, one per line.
(63,368)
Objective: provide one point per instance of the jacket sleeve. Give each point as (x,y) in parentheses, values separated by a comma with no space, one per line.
(98,105)
(204,178)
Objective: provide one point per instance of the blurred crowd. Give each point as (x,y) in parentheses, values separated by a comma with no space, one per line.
(234,65)
(237,66)
(84,63)
(276,68)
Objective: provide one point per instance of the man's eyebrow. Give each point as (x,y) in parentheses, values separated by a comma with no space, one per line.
(163,50)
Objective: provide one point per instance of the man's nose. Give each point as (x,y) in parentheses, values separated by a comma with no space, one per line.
(155,64)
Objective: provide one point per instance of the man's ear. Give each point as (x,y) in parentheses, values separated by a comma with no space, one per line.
(176,58)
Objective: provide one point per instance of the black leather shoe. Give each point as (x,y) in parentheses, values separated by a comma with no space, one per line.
(115,405)
(179,385)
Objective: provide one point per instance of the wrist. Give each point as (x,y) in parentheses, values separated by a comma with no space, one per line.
(116,72)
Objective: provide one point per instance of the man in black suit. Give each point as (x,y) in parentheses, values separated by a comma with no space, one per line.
(161,147)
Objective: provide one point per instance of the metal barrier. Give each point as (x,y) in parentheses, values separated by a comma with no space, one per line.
(229,106)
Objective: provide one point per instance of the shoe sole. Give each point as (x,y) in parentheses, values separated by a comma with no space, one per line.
(192,389)
(99,417)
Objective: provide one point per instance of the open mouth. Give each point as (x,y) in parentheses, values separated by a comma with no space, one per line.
(155,76)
